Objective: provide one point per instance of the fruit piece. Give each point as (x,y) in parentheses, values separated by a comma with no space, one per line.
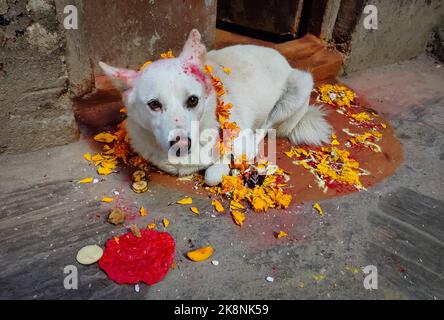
(188,200)
(116,217)
(89,254)
(218,206)
(194,210)
(201,254)
(140,187)
(238,217)
(139,175)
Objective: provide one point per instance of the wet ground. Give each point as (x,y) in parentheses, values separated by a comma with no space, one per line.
(397,225)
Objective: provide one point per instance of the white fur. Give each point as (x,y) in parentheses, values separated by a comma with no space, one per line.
(265,90)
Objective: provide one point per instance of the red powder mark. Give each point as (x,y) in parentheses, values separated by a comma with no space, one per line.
(195,71)
(146,259)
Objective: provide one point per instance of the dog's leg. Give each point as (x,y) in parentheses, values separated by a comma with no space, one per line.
(292,115)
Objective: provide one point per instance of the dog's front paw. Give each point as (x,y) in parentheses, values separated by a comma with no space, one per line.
(215,173)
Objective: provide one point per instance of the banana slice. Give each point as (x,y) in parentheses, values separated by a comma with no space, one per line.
(89,254)
(140,187)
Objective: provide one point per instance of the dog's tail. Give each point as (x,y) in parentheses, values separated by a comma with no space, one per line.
(312,129)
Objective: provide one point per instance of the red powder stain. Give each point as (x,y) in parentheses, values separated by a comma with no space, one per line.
(195,71)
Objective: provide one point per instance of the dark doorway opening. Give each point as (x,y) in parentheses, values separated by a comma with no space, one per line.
(272,20)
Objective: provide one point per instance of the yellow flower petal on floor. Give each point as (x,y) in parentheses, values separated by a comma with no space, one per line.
(87,156)
(166,222)
(143,212)
(318,208)
(227,70)
(236,205)
(201,254)
(105,137)
(107,199)
(194,210)
(104,171)
(218,206)
(151,226)
(238,217)
(185,201)
(281,234)
(86,180)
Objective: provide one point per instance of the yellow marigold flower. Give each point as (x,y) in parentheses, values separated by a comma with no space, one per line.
(167,55)
(105,137)
(87,156)
(281,234)
(260,201)
(218,206)
(86,180)
(143,212)
(185,201)
(238,217)
(236,205)
(104,171)
(318,208)
(145,65)
(208,69)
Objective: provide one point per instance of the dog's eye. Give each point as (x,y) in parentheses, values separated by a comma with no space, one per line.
(192,101)
(155,105)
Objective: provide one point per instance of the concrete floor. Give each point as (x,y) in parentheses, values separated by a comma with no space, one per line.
(398,225)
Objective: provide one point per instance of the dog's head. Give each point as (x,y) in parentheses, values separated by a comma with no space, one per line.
(169,95)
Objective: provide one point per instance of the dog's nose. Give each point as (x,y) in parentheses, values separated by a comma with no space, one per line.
(182,143)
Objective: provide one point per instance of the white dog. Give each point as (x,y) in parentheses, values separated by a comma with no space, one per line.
(165,99)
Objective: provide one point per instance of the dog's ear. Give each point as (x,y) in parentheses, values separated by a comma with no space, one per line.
(194,51)
(123,79)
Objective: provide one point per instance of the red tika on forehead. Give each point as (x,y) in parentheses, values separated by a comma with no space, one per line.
(195,71)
